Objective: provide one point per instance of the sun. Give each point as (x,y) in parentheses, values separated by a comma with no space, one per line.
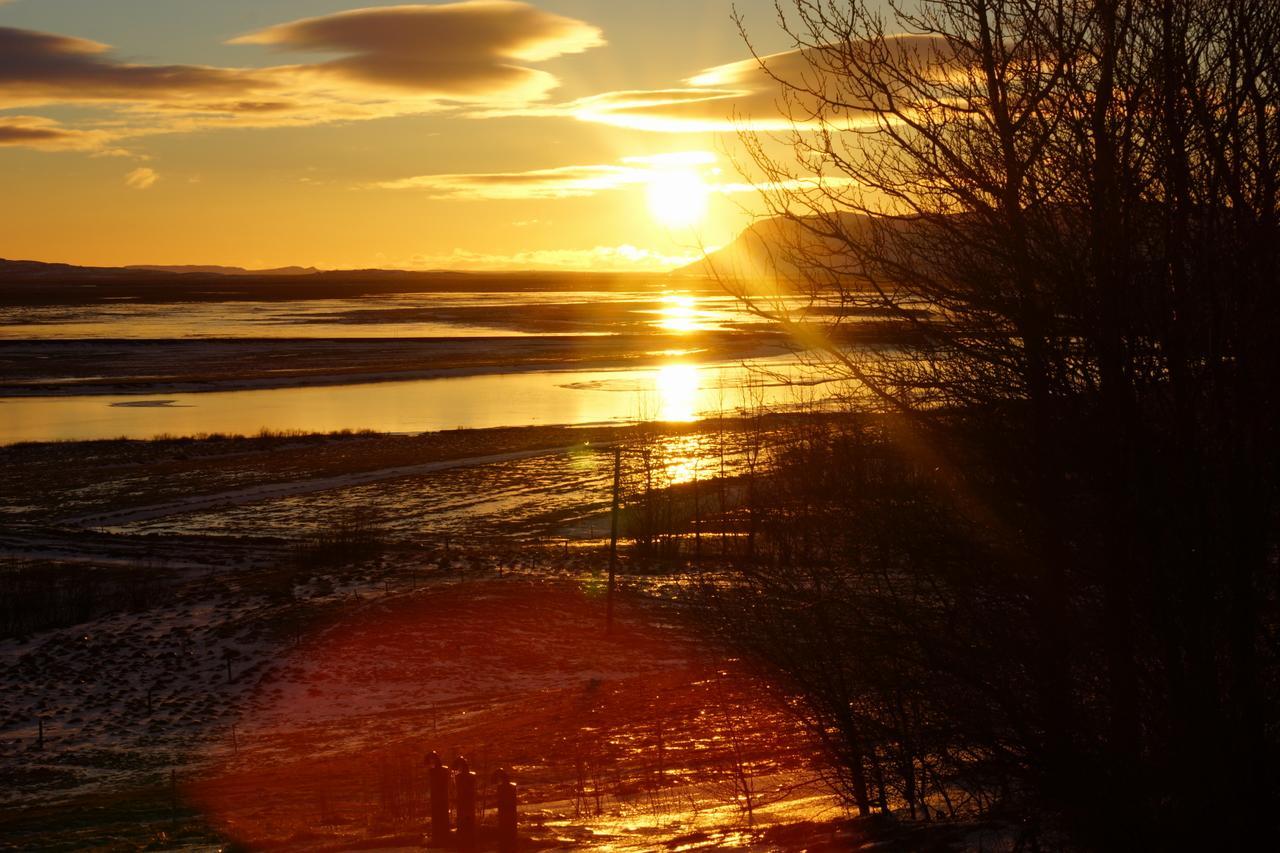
(678,198)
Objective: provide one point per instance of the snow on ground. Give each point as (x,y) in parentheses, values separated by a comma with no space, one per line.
(290,706)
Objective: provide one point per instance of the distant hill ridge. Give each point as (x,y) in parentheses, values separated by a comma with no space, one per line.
(762,251)
(215,269)
(768,249)
(34,283)
(25,270)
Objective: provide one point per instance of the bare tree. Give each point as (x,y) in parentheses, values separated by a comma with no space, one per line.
(1068,211)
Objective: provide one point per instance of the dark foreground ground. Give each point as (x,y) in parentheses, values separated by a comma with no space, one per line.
(207,675)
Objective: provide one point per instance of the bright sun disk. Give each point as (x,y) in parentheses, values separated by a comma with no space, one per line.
(678,198)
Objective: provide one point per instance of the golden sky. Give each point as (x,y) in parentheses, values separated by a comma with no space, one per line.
(594,134)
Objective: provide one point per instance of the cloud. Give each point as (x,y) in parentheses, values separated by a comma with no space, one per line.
(588,180)
(740,95)
(44,133)
(560,182)
(141,178)
(391,61)
(41,68)
(623,258)
(15,133)
(467,51)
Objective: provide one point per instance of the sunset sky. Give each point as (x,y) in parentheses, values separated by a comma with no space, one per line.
(483,134)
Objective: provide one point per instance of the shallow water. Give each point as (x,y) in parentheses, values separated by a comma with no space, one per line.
(677,391)
(440,315)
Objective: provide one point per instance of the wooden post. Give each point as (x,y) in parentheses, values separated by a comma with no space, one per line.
(464,782)
(40,736)
(508,839)
(613,539)
(438,783)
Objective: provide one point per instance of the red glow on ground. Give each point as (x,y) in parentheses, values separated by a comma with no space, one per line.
(512,673)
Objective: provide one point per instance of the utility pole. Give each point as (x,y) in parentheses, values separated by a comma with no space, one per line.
(613,538)
(697,517)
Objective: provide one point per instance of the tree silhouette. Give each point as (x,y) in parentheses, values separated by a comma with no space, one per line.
(1068,210)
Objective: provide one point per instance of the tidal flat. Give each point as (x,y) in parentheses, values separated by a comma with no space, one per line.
(189,665)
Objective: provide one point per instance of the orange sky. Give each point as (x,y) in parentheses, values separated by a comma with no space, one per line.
(483,133)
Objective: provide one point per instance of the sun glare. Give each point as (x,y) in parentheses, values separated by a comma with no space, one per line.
(677,386)
(678,314)
(678,198)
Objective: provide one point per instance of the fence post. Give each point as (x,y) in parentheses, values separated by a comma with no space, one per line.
(438,782)
(465,786)
(507,837)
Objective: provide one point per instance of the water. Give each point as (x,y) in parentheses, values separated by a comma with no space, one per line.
(443,315)
(678,391)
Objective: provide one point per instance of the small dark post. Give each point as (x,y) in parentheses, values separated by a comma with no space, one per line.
(465,786)
(613,539)
(40,736)
(507,837)
(438,783)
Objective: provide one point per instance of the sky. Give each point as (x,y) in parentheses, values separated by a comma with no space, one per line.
(554,134)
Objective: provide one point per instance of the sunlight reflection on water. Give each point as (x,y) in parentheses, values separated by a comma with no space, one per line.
(677,387)
(459,315)
(678,391)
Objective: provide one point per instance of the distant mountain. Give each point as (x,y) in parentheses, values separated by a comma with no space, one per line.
(773,249)
(214,269)
(33,283)
(40,269)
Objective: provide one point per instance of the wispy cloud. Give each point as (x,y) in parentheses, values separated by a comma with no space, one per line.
(141,178)
(737,95)
(621,258)
(561,182)
(586,180)
(43,133)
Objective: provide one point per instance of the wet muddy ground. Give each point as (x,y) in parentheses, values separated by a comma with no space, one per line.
(232,693)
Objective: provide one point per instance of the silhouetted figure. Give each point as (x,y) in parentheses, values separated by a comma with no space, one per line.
(465,786)
(438,782)
(507,838)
